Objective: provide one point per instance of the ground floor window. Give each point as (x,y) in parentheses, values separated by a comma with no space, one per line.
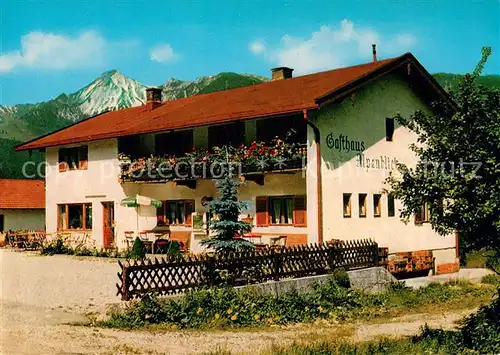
(346,201)
(377,205)
(75,216)
(175,212)
(422,214)
(281,210)
(362,205)
(391,210)
(2,223)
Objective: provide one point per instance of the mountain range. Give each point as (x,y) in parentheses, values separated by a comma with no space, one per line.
(111,91)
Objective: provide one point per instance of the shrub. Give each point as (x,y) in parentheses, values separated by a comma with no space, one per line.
(231,307)
(478,332)
(481,331)
(341,277)
(397,286)
(381,346)
(438,339)
(138,249)
(477,259)
(56,247)
(491,279)
(60,246)
(174,250)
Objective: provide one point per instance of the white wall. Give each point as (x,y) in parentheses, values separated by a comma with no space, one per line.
(99,183)
(312,189)
(15,219)
(364,121)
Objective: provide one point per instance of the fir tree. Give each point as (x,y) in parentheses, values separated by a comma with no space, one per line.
(138,249)
(226,225)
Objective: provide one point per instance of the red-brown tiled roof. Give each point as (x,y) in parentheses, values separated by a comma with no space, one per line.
(22,194)
(261,100)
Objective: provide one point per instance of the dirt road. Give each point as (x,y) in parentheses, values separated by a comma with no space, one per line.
(35,330)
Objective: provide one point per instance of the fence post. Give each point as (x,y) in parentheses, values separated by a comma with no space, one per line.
(210,262)
(377,255)
(330,256)
(275,265)
(125,272)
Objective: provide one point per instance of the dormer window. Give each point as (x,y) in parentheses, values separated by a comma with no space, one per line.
(73,158)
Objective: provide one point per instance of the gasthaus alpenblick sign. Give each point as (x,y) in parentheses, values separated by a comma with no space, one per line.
(344,144)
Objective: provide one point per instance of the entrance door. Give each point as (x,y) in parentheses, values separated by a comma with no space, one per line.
(2,223)
(108,210)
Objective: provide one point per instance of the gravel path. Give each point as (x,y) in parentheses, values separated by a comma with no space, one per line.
(59,281)
(473,275)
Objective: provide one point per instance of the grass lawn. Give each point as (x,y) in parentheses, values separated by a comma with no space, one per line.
(228,309)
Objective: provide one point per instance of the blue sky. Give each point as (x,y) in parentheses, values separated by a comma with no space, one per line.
(53,47)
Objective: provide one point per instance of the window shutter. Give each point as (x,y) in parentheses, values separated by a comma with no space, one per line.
(83,157)
(189,209)
(262,214)
(299,211)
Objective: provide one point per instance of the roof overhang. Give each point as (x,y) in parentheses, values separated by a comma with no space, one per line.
(118,134)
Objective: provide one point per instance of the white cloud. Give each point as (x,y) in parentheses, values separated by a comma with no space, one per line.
(257,47)
(333,47)
(405,40)
(163,53)
(40,50)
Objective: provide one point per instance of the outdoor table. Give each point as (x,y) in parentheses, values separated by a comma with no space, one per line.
(146,237)
(158,232)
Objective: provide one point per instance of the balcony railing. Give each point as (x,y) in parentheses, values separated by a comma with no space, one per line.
(258,157)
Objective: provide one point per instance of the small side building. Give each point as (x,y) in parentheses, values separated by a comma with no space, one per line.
(22,204)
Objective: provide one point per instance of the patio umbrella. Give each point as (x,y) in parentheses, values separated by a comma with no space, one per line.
(137,200)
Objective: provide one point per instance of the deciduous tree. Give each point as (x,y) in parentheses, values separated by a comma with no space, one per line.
(458,174)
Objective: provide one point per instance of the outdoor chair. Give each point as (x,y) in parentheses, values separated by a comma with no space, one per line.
(129,239)
(35,240)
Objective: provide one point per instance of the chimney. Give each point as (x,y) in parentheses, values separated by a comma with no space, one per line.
(374,50)
(281,73)
(153,98)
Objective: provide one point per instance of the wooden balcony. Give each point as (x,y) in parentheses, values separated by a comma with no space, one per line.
(256,159)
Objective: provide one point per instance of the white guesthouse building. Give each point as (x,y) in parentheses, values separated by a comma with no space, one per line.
(345,132)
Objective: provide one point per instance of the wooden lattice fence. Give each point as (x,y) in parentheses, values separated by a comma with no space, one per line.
(164,277)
